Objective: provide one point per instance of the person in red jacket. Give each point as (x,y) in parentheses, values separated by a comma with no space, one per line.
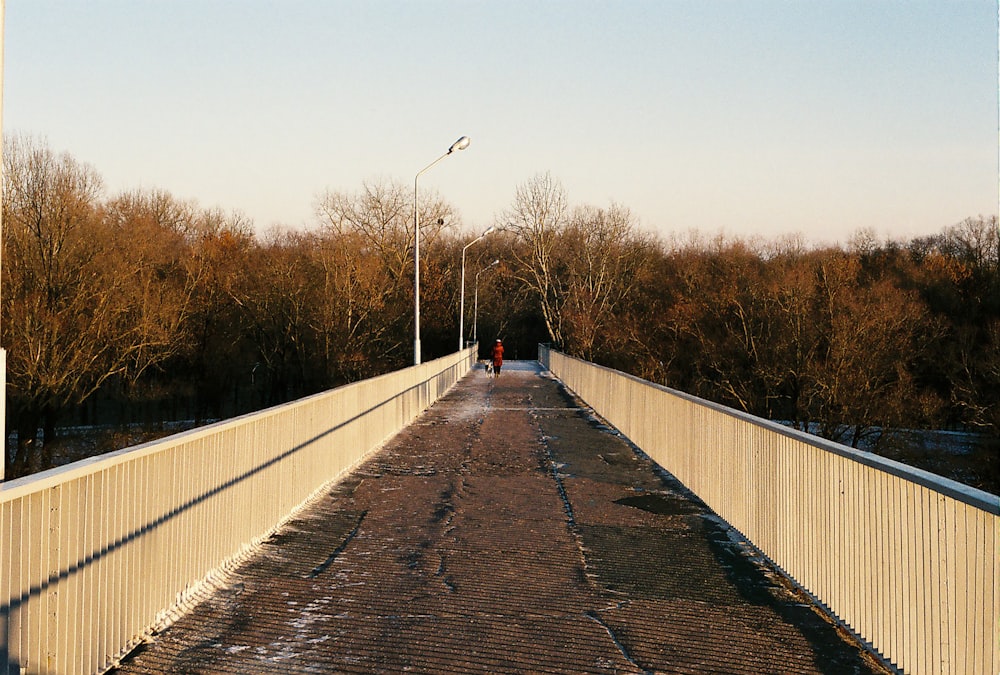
(497,358)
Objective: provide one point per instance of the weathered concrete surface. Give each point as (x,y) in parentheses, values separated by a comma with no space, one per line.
(506,531)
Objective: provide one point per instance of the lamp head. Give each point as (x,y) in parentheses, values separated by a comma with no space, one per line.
(460,144)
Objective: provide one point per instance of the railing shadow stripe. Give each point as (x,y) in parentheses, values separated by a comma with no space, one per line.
(437,377)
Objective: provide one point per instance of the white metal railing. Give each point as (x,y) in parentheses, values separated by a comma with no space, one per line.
(93,554)
(906,559)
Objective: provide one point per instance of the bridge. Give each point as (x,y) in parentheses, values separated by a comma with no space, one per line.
(436,520)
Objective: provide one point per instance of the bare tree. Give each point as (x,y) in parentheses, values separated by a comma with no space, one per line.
(60,303)
(359,311)
(604,254)
(150,235)
(861,381)
(962,280)
(381,215)
(276,294)
(538,217)
(365,254)
(220,353)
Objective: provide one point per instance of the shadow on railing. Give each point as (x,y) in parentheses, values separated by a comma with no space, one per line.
(94,554)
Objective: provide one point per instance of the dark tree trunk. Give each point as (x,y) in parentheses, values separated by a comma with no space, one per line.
(27,445)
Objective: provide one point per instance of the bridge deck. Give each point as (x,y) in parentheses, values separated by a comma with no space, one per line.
(505,531)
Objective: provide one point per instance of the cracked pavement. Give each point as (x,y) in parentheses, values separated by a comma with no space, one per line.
(506,531)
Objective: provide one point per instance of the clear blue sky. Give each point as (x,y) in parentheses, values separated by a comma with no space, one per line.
(762,117)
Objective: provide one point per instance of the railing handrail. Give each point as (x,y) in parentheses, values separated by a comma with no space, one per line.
(48,478)
(965,493)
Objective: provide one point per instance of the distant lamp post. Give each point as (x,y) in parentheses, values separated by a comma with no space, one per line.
(461,302)
(475,310)
(461,144)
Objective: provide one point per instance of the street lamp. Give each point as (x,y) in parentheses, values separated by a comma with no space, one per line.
(461,302)
(475,310)
(461,144)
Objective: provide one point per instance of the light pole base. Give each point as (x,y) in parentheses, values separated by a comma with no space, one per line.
(416,352)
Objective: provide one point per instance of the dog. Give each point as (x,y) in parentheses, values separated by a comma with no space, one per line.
(489,369)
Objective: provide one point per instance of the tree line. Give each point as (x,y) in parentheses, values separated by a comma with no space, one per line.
(861,343)
(141,307)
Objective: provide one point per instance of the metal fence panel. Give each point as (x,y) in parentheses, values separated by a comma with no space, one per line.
(95,553)
(905,559)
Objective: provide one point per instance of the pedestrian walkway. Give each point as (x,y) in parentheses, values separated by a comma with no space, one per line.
(506,531)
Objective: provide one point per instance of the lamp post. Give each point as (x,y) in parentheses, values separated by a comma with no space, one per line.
(461,144)
(461,302)
(475,310)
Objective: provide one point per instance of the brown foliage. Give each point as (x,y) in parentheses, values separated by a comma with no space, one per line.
(146,301)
